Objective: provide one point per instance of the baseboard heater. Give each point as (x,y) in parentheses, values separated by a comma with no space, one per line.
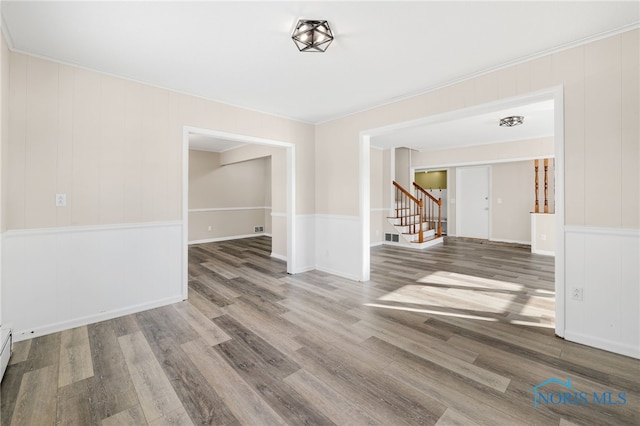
(7,348)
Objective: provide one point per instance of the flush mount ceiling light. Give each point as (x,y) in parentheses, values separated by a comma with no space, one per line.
(515,120)
(312,36)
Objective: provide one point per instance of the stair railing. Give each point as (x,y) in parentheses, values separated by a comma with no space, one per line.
(409,210)
(432,210)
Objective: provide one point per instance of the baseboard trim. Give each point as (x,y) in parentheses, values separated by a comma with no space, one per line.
(91,319)
(607,345)
(304,269)
(502,240)
(544,252)
(338,273)
(232,237)
(279,256)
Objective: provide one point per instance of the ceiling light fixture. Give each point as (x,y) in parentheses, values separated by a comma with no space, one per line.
(312,36)
(515,120)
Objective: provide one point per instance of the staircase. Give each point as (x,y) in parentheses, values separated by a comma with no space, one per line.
(417,217)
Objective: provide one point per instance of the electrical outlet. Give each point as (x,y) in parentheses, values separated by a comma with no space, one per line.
(61,200)
(543,237)
(209,228)
(576,293)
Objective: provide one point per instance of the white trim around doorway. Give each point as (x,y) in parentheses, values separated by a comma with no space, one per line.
(291,257)
(555,93)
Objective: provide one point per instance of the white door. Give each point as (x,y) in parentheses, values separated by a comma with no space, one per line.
(472,202)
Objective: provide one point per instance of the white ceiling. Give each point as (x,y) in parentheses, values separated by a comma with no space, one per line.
(241,53)
(477,129)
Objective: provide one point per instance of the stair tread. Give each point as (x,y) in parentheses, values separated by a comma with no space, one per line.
(425,240)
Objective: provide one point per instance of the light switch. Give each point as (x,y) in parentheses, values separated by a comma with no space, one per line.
(61,200)
(499,200)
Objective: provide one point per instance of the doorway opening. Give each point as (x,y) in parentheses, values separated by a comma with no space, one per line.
(285,185)
(436,181)
(369,138)
(472,205)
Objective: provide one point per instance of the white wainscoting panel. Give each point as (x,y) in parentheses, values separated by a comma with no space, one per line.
(338,243)
(279,236)
(305,241)
(603,262)
(305,250)
(55,279)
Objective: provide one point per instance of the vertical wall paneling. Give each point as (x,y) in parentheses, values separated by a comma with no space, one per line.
(41,142)
(568,68)
(84,200)
(603,133)
(133,153)
(507,82)
(630,129)
(112,127)
(16,149)
(541,76)
(486,88)
(64,169)
(523,79)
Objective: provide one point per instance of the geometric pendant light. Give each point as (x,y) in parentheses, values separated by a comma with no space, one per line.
(515,120)
(312,35)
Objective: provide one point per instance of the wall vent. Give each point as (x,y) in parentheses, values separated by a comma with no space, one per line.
(257,229)
(394,238)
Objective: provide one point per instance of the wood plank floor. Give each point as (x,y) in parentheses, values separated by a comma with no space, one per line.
(454,335)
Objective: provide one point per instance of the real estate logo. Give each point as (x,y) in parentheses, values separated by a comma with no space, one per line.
(571,396)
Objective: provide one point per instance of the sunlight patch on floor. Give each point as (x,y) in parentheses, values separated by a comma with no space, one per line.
(464,296)
(464,280)
(485,300)
(431,312)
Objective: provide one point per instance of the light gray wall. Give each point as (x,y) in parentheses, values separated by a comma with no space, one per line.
(231,198)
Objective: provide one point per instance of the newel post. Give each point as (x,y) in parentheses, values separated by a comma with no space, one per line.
(420,231)
(439,217)
(537,205)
